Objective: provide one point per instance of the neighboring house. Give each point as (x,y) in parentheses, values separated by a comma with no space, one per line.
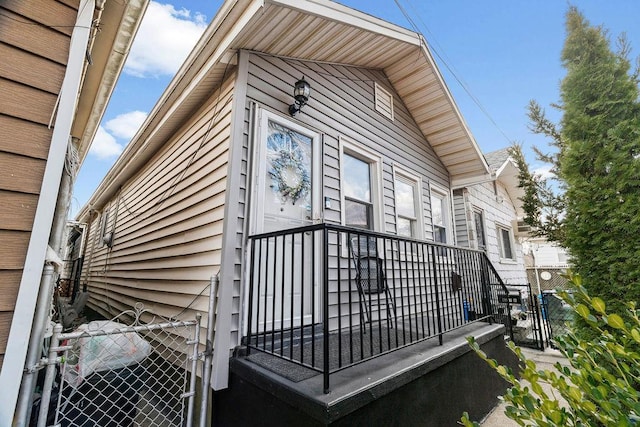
(546,263)
(487,217)
(224,172)
(60,62)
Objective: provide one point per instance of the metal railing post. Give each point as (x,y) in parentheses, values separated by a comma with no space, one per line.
(325,306)
(485,289)
(435,279)
(251,288)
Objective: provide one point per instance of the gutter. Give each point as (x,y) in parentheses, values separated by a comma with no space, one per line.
(29,291)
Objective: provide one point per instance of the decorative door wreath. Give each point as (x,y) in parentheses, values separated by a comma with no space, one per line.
(290,178)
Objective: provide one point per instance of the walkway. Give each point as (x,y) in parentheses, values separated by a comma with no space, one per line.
(544,360)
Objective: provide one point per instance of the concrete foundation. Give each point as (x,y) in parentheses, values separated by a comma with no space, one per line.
(425,384)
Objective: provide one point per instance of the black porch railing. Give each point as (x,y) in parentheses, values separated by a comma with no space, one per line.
(327,297)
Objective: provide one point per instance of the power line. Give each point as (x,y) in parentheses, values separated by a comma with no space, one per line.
(451,70)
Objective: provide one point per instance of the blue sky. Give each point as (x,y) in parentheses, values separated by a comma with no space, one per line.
(505,52)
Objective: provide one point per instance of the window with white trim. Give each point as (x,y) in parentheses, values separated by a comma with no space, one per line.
(408,206)
(361,201)
(440,216)
(505,241)
(478,220)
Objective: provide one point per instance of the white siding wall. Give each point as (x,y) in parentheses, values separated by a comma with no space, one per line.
(498,209)
(342,104)
(167,221)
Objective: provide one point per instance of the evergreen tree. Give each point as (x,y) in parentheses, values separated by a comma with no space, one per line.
(597,163)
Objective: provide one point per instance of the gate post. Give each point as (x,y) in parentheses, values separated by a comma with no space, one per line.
(50,376)
(194,371)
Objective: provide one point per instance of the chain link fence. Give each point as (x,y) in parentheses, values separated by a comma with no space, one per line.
(109,374)
(548,278)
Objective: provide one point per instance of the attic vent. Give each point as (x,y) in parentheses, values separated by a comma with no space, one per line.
(384,102)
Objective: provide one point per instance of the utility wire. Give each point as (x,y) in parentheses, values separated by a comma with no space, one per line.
(451,70)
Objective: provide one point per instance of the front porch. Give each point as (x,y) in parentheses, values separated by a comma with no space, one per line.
(424,384)
(327,297)
(342,319)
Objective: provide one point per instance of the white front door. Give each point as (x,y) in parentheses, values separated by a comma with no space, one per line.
(286,195)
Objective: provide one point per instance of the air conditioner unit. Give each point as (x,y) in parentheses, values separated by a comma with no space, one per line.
(521,229)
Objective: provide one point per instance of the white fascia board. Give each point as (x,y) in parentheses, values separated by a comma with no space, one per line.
(504,165)
(348,16)
(466,182)
(22,322)
(454,106)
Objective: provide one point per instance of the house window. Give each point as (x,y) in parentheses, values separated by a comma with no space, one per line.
(407,198)
(360,187)
(440,216)
(506,243)
(383,102)
(478,219)
(357,193)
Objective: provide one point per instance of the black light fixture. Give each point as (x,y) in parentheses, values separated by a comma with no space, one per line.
(301,93)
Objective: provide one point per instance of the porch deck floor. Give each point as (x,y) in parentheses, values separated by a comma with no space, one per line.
(358,385)
(346,347)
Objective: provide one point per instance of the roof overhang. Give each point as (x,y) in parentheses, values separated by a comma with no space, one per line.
(118,22)
(313,30)
(507,175)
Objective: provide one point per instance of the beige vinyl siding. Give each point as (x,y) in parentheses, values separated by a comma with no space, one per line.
(167,223)
(342,104)
(34,56)
(460,213)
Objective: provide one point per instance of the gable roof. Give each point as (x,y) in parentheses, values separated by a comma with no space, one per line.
(496,159)
(506,172)
(314,30)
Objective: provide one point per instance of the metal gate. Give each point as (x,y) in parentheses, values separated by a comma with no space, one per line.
(556,315)
(519,310)
(110,374)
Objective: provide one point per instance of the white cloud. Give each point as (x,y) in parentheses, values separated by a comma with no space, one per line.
(543,171)
(126,125)
(104,145)
(165,38)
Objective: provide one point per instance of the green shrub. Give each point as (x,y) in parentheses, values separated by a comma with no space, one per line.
(601,384)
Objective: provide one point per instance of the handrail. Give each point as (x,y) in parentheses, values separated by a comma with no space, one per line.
(306,305)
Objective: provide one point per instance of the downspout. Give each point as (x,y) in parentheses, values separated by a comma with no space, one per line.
(29,294)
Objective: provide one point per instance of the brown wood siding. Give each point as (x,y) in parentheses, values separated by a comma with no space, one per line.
(34,47)
(17,210)
(26,102)
(9,281)
(39,38)
(342,104)
(30,70)
(167,223)
(24,138)
(13,249)
(21,174)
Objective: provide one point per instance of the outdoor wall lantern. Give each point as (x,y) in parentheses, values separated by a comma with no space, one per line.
(301,92)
